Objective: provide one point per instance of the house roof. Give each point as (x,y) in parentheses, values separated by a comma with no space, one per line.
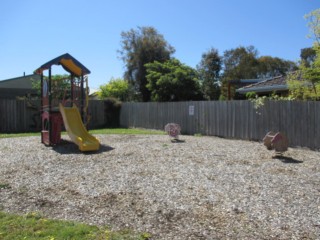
(245,81)
(278,83)
(23,82)
(19,86)
(69,63)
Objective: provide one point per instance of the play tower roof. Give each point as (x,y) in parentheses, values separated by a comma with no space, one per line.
(69,63)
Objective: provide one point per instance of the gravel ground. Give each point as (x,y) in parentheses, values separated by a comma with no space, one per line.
(198,188)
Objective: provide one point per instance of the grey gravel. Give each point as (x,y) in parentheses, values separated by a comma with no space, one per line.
(197,188)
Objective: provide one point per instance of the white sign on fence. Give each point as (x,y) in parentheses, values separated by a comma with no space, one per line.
(191,110)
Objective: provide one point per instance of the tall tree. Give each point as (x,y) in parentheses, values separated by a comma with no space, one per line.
(269,67)
(172,81)
(209,72)
(239,63)
(313,19)
(310,71)
(308,56)
(138,47)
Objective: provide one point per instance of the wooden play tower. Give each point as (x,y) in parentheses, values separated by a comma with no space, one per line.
(70,91)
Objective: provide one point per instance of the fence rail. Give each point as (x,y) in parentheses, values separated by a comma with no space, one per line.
(300,121)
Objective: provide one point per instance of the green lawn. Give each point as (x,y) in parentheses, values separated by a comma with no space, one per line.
(33,226)
(126,131)
(9,135)
(96,131)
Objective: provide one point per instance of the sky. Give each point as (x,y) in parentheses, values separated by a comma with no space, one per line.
(33,32)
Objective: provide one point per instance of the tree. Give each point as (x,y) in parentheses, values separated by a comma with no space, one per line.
(312,73)
(116,88)
(244,63)
(138,47)
(60,84)
(209,72)
(172,81)
(301,88)
(307,55)
(313,19)
(239,63)
(306,83)
(269,67)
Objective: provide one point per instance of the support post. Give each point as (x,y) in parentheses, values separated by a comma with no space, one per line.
(50,107)
(41,109)
(82,99)
(72,88)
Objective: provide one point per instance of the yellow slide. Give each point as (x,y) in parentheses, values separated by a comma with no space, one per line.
(76,130)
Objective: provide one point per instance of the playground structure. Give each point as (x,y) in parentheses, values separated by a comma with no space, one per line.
(64,101)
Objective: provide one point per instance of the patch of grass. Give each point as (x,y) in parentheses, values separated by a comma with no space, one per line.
(4,186)
(95,131)
(127,131)
(33,226)
(10,135)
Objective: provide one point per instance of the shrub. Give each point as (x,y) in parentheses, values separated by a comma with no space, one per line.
(112,109)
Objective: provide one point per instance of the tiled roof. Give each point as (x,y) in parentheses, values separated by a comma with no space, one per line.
(278,83)
(279,80)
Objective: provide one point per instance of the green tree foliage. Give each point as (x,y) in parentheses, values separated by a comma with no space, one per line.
(312,73)
(251,95)
(172,81)
(308,56)
(269,67)
(60,85)
(244,63)
(305,84)
(138,47)
(36,84)
(313,19)
(300,89)
(209,72)
(116,88)
(239,63)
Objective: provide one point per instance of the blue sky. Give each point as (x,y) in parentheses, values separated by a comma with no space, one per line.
(33,32)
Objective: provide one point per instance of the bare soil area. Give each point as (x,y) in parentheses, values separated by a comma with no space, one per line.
(197,188)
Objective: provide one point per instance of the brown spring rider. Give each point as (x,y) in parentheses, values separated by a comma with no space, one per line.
(276,141)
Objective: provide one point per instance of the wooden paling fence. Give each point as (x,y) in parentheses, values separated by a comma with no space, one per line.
(18,116)
(300,121)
